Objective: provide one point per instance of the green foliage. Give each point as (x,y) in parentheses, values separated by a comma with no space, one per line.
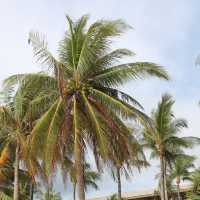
(90,176)
(3,196)
(193,196)
(113,197)
(87,73)
(162,137)
(194,178)
(181,167)
(48,194)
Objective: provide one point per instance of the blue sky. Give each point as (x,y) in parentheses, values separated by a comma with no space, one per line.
(166,32)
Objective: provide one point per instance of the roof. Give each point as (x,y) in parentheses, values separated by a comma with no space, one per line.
(142,193)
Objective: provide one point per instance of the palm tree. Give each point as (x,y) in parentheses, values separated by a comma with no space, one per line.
(113,197)
(17,115)
(88,108)
(90,178)
(180,170)
(48,194)
(194,178)
(162,139)
(6,182)
(124,165)
(8,121)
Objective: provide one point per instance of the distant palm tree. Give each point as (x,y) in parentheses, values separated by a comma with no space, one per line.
(48,194)
(163,140)
(194,178)
(125,164)
(88,108)
(113,197)
(180,170)
(90,178)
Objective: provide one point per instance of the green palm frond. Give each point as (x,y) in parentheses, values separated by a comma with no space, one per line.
(112,58)
(96,43)
(3,196)
(40,49)
(52,137)
(122,96)
(119,107)
(41,129)
(121,74)
(96,123)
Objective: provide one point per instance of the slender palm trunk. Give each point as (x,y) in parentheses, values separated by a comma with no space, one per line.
(162,177)
(165,179)
(16,174)
(119,184)
(31,191)
(79,170)
(178,187)
(74,192)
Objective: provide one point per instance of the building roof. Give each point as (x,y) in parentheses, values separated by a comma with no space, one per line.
(142,193)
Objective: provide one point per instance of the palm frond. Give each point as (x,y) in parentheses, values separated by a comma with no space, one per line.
(120,74)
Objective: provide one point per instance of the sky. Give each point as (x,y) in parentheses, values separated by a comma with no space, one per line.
(166,32)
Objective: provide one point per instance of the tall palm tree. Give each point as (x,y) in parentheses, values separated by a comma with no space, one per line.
(180,170)
(163,140)
(15,138)
(90,178)
(17,115)
(88,108)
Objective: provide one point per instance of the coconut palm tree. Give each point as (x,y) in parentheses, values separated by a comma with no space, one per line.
(15,138)
(180,170)
(90,178)
(7,170)
(17,114)
(88,108)
(163,140)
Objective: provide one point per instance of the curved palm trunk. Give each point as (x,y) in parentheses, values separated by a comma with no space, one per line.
(74,192)
(16,174)
(79,170)
(119,183)
(162,179)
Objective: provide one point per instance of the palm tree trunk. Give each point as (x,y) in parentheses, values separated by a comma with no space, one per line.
(165,179)
(31,191)
(16,174)
(178,191)
(79,170)
(74,192)
(178,187)
(162,177)
(119,183)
